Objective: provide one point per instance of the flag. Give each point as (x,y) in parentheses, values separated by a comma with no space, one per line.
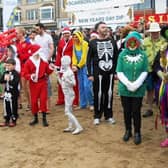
(11,20)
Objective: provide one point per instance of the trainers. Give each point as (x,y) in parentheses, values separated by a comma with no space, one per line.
(96,121)
(4,124)
(68,129)
(91,108)
(148,113)
(111,121)
(164,143)
(12,124)
(77,131)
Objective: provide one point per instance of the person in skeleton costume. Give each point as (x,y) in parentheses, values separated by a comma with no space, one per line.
(79,57)
(161,83)
(36,72)
(101,64)
(132,71)
(11,80)
(67,82)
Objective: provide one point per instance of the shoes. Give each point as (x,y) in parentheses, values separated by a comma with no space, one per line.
(148,113)
(4,124)
(127,135)
(96,121)
(69,129)
(164,143)
(137,138)
(77,131)
(91,108)
(34,121)
(45,123)
(111,121)
(12,124)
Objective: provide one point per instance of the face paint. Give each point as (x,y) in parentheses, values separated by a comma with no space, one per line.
(132,44)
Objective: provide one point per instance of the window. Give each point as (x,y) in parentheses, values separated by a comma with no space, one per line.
(31,1)
(32,14)
(46,13)
(148,4)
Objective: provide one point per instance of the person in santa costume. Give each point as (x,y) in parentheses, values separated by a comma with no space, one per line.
(36,72)
(65,47)
(132,71)
(67,82)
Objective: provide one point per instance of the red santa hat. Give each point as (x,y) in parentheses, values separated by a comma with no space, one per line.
(35,49)
(66,30)
(94,34)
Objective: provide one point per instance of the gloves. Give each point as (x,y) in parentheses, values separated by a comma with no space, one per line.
(125,81)
(140,80)
(132,86)
(123,78)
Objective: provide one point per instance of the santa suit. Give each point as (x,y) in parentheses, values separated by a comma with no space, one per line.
(23,50)
(65,48)
(38,86)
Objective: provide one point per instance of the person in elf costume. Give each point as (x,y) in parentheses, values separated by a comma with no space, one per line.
(79,58)
(132,71)
(36,71)
(161,83)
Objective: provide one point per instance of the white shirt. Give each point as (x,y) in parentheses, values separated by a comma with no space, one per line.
(44,41)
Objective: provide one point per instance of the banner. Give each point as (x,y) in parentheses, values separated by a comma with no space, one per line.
(160,6)
(109,16)
(160,18)
(83,5)
(8,9)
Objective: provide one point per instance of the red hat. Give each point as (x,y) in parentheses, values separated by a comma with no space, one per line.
(35,49)
(94,34)
(66,30)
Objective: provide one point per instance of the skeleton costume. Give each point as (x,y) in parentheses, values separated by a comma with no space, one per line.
(132,71)
(67,81)
(11,96)
(101,64)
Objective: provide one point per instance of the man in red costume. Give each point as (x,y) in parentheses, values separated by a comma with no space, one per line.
(65,47)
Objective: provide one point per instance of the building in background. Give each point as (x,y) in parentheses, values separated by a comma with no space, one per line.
(52,13)
(1,19)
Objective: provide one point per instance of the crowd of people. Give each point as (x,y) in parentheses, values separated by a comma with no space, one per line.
(86,63)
